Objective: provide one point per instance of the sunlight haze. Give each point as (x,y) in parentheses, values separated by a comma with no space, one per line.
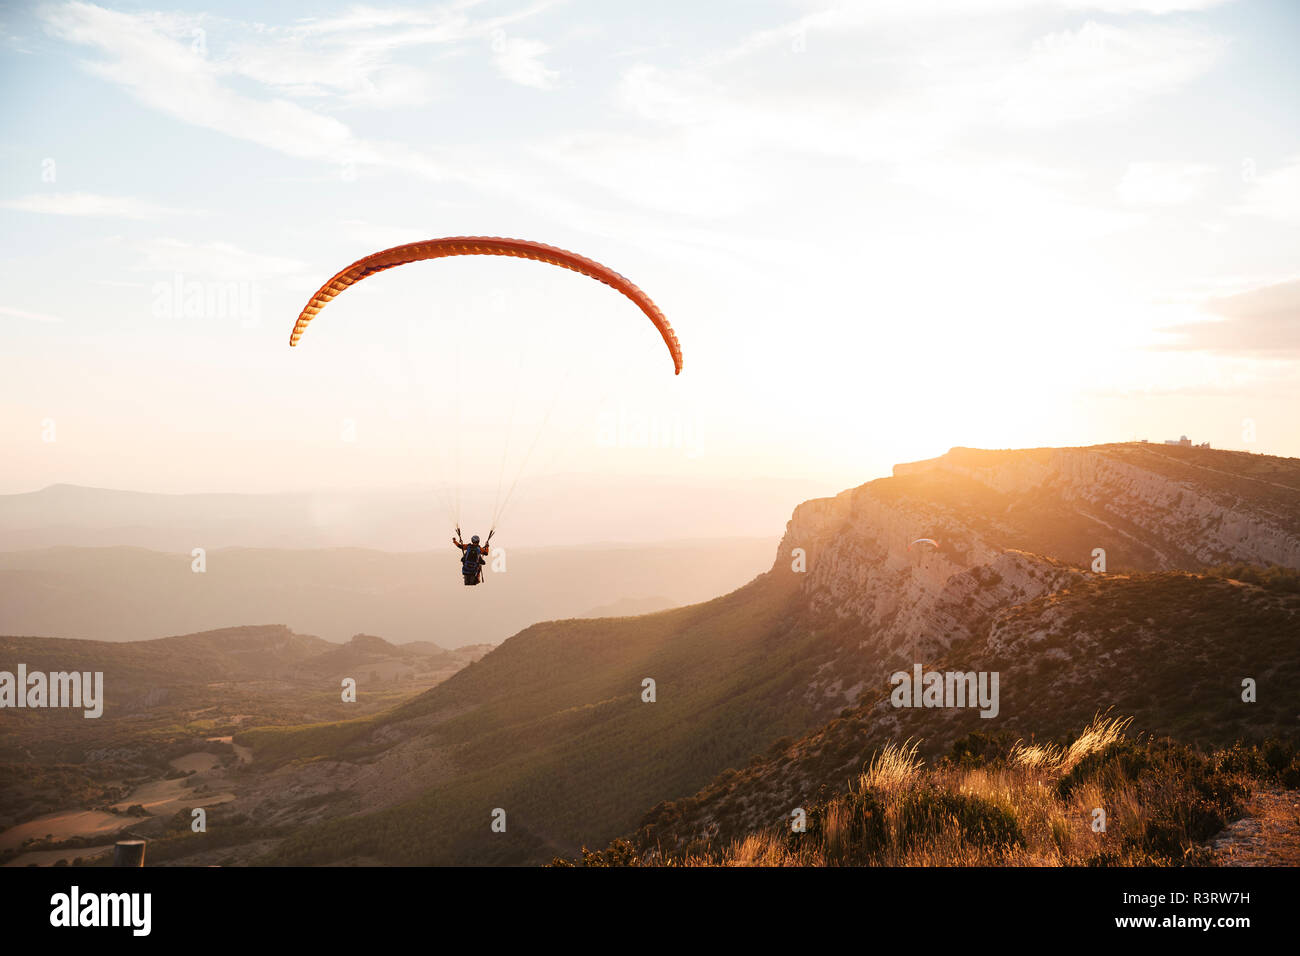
(880,231)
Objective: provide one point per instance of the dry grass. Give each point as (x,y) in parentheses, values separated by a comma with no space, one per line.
(893,770)
(1096,737)
(1034,806)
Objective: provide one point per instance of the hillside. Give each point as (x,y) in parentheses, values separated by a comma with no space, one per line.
(1169,650)
(169,698)
(570,748)
(266,653)
(551,726)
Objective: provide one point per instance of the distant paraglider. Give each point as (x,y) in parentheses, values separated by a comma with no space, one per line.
(930,541)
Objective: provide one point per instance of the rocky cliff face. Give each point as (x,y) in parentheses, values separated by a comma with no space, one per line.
(1011,526)
(1191,501)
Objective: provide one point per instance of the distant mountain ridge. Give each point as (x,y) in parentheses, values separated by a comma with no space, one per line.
(133,593)
(559,511)
(176,686)
(261,652)
(630,607)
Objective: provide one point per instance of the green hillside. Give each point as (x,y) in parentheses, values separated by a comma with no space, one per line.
(572,753)
(1169,650)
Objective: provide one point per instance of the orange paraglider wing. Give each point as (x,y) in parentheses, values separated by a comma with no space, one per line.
(486,246)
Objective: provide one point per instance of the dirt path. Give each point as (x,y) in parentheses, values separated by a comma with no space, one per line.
(244,754)
(63,825)
(1269,834)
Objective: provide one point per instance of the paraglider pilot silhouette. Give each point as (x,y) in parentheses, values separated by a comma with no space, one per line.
(473,557)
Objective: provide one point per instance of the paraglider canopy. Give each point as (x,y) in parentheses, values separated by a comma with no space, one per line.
(486,246)
(929,541)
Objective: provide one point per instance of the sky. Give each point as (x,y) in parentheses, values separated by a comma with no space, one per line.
(880,230)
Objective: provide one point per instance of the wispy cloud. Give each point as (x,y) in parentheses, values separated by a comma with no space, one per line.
(161,64)
(92,205)
(218,260)
(30,316)
(520,60)
(1263,323)
(1275,194)
(1164,184)
(352,57)
(1143,6)
(1102,69)
(895,97)
(380,235)
(173,64)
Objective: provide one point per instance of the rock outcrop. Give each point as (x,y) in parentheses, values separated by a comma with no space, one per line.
(1011,526)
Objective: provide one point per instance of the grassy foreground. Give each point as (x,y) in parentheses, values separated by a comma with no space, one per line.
(994,802)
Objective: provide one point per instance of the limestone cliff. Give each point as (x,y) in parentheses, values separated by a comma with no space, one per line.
(1012,526)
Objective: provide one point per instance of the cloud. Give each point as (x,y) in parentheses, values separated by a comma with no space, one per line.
(349,60)
(1102,69)
(520,60)
(31,316)
(1261,323)
(1021,199)
(346,76)
(1163,184)
(1275,195)
(219,260)
(836,84)
(159,63)
(672,171)
(193,68)
(713,137)
(379,235)
(92,205)
(398,27)
(855,100)
(1144,6)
